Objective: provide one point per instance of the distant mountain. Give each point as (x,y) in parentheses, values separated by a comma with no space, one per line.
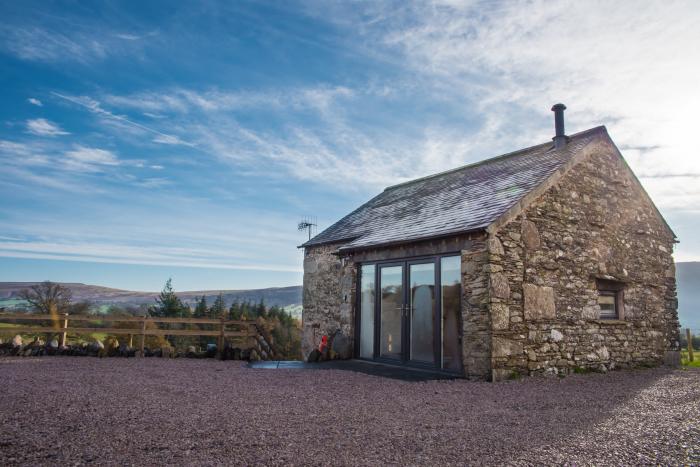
(288,297)
(688,280)
(687,274)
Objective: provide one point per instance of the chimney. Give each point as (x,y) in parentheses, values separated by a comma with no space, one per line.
(560,139)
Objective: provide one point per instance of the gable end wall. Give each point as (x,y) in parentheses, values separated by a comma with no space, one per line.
(594,222)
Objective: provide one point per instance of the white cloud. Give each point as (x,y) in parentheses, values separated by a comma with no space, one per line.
(170,139)
(89,159)
(182,100)
(630,65)
(134,37)
(37,44)
(35,101)
(127,254)
(95,107)
(154,182)
(43,127)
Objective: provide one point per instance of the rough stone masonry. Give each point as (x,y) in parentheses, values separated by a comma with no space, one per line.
(529,280)
(593,223)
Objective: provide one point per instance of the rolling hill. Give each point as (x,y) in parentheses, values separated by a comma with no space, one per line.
(287,297)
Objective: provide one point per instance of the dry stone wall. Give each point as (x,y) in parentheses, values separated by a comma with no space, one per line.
(328,297)
(595,222)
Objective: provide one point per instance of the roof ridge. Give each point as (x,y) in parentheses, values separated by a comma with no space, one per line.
(493,159)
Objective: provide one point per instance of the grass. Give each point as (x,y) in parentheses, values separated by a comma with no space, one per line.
(13,304)
(696,360)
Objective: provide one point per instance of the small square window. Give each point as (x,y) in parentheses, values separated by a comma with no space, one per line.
(610,299)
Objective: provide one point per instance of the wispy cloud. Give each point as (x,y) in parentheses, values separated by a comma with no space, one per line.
(154,182)
(509,62)
(183,100)
(89,159)
(171,139)
(43,127)
(327,144)
(126,254)
(39,44)
(55,165)
(134,37)
(96,108)
(35,101)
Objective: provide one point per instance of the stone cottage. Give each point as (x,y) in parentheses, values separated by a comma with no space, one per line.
(550,259)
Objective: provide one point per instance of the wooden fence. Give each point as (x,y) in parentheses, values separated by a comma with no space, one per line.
(245,328)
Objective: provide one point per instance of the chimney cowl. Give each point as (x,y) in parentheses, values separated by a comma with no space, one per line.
(560,139)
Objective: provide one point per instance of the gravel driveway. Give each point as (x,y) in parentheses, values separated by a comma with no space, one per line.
(158,411)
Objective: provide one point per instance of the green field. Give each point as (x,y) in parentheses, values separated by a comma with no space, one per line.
(13,303)
(7,334)
(696,359)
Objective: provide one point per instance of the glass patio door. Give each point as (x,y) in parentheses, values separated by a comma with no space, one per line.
(391,311)
(421,312)
(407,312)
(410,312)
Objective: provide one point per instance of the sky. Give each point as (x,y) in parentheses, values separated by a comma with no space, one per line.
(146,140)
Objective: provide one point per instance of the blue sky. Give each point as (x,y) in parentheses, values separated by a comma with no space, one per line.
(147,140)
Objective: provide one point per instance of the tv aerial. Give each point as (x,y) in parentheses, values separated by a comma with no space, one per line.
(309,224)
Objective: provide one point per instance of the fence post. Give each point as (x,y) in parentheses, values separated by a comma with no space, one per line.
(690,344)
(65,330)
(252,331)
(143,335)
(222,339)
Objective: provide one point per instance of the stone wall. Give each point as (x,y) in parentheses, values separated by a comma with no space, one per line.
(328,296)
(476,320)
(595,222)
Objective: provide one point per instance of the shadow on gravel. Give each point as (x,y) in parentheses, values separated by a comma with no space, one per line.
(359,366)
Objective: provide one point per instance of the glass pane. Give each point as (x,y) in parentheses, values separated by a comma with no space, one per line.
(391,281)
(367,291)
(422,303)
(450,278)
(606,300)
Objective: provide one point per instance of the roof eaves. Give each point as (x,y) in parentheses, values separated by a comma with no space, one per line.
(348,248)
(328,242)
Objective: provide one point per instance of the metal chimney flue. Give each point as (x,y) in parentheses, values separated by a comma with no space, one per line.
(560,139)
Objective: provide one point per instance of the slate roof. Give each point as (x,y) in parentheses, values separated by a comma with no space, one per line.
(465,199)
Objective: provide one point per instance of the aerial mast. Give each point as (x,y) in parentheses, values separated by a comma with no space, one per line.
(309,224)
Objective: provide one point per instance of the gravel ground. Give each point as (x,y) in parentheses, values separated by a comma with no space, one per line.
(203,412)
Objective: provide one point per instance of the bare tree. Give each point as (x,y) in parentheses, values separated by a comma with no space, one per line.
(48,297)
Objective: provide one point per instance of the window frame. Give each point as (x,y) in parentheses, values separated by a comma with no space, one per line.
(606,287)
(378,263)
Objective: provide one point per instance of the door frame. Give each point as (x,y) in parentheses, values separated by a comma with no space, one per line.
(405,360)
(378,313)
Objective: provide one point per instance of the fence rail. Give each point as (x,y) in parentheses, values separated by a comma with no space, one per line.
(61,322)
